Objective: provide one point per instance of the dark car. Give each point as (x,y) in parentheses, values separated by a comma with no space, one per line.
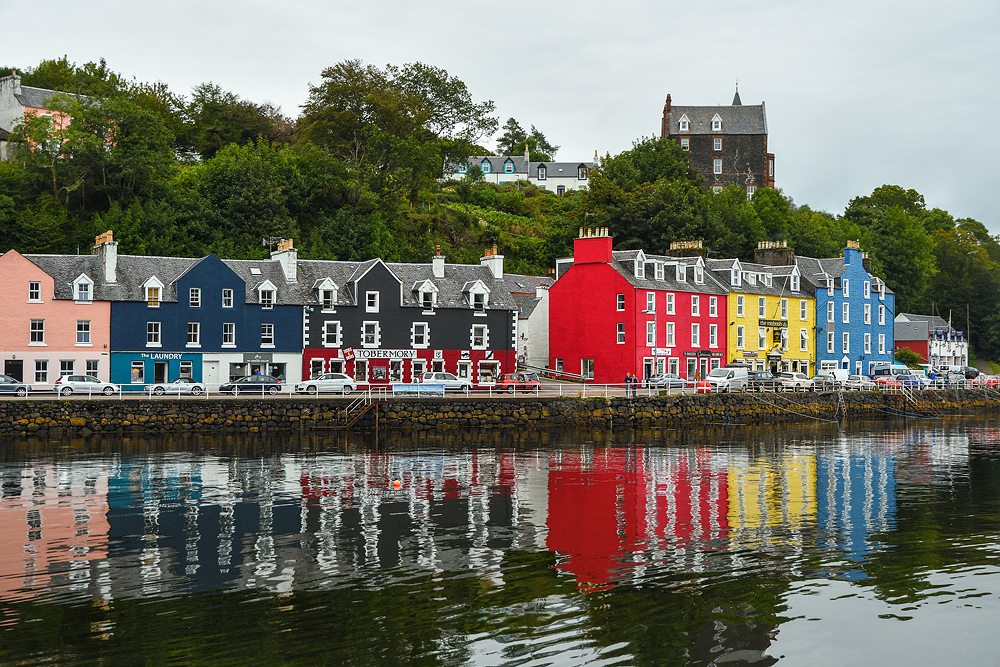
(9,385)
(764,381)
(252,384)
(969,372)
(824,383)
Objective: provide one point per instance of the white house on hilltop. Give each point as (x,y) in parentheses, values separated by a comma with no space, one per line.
(559,177)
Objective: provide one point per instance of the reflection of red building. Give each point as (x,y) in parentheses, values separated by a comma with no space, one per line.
(602,508)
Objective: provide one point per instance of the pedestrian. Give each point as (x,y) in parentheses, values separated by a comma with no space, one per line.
(628,383)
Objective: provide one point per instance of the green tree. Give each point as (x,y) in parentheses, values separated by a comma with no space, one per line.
(903,253)
(514,140)
(215,118)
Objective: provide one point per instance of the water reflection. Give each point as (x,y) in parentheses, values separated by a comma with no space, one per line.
(681,550)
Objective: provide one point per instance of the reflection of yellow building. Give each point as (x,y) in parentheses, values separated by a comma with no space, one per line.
(772,315)
(772,499)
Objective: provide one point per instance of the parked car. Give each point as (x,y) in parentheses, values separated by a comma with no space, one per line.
(764,381)
(825,383)
(795,381)
(955,379)
(327,383)
(887,382)
(909,381)
(177,387)
(516,382)
(862,382)
(448,380)
(969,372)
(728,378)
(9,385)
(84,384)
(666,381)
(252,384)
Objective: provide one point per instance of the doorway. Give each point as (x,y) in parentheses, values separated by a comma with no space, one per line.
(14,368)
(159,372)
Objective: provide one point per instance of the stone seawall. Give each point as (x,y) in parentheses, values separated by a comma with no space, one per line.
(37,417)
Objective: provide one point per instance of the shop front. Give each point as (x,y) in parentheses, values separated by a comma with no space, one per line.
(700,363)
(134,370)
(385,366)
(230,367)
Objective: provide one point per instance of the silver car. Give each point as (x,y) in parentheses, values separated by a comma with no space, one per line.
(447,379)
(177,387)
(327,383)
(84,384)
(795,381)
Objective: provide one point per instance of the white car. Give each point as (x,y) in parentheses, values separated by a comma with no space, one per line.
(447,379)
(795,381)
(177,387)
(328,382)
(862,382)
(84,384)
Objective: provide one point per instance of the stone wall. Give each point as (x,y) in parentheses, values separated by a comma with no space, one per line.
(26,417)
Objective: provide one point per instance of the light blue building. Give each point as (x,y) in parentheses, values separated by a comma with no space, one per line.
(854,311)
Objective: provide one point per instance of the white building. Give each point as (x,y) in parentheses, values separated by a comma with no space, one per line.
(531,293)
(559,177)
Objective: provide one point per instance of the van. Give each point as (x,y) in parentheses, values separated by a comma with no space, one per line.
(890,369)
(734,377)
(839,375)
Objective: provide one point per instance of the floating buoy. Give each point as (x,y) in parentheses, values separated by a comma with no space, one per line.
(396,484)
(704,387)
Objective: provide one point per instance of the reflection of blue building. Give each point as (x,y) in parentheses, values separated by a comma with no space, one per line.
(855,498)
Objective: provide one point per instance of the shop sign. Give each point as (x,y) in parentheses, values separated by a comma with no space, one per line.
(774,324)
(349,354)
(662,351)
(749,355)
(704,353)
(161,355)
(258,357)
(465,355)
(365,353)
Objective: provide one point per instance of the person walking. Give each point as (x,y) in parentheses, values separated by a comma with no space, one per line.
(628,384)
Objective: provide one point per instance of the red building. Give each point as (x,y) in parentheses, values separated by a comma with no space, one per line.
(616,312)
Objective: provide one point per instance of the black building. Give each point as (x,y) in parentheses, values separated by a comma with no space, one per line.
(728,145)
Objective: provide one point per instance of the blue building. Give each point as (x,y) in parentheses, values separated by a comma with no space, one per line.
(206,319)
(854,311)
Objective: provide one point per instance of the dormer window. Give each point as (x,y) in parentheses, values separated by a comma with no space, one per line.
(426,293)
(751,278)
(478,294)
(659,271)
(685,124)
(485,166)
(541,172)
(427,300)
(768,280)
(479,301)
(795,283)
(717,123)
(267,299)
(83,288)
(681,273)
(699,275)
(881,291)
(640,269)
(153,289)
(329,298)
(734,278)
(581,172)
(326,294)
(463,168)
(508,166)
(829,286)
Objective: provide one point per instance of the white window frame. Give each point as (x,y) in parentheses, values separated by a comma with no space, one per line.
(868,313)
(868,343)
(650,334)
(713,306)
(740,306)
(426,343)
(484,337)
(713,335)
(717,165)
(34,293)
(761,307)
(829,286)
(695,305)
(740,336)
(193,334)
(620,301)
(803,310)
(42,371)
(194,297)
(650,302)
(881,343)
(36,333)
(80,282)
(881,315)
(830,342)
(684,125)
(333,333)
(621,333)
(803,340)
(794,282)
(784,340)
(154,334)
(371,302)
(659,270)
(846,339)
(695,334)
(227,298)
(717,143)
(784,309)
(845,287)
(229,334)
(717,123)
(266,334)
(699,274)
(831,311)
(670,303)
(376,334)
(761,338)
(845,313)
(83,333)
(266,297)
(867,289)
(670,335)
(680,273)
(685,143)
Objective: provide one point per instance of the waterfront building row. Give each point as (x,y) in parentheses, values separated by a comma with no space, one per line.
(614,312)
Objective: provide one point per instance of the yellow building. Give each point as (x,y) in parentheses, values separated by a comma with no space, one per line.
(772,315)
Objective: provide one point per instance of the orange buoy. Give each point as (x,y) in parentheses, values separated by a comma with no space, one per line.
(396,484)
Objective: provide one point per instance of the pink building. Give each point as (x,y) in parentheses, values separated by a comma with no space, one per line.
(19,103)
(53,323)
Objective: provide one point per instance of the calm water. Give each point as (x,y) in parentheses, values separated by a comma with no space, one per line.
(875,545)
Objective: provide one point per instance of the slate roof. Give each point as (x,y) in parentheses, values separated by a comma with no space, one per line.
(559,169)
(521,284)
(623,262)
(740,119)
(813,270)
(39,98)
(780,281)
(526,304)
(910,330)
(522,166)
(931,321)
(134,270)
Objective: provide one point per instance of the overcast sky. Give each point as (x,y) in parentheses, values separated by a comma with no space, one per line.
(858,93)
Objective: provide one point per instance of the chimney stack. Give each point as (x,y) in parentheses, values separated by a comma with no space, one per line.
(527,153)
(774,253)
(437,264)
(106,248)
(665,123)
(288,257)
(688,249)
(493,261)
